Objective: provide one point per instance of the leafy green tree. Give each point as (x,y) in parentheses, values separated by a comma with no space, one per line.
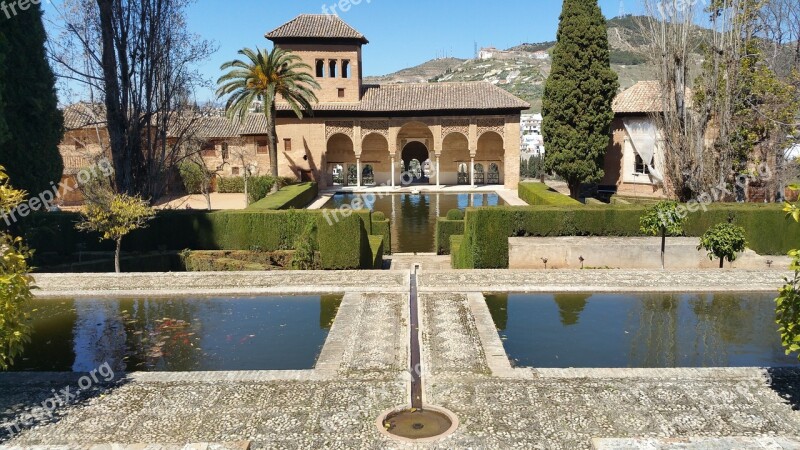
(523,169)
(662,219)
(267,77)
(114,216)
(578,95)
(15,283)
(29,114)
(788,301)
(723,241)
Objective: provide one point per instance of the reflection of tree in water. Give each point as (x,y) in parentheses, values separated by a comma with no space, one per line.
(163,334)
(328,308)
(99,335)
(655,341)
(498,308)
(52,342)
(570,307)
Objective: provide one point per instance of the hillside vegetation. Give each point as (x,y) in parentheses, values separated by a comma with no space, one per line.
(522,75)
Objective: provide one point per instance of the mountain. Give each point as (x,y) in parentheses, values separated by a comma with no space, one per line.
(521,71)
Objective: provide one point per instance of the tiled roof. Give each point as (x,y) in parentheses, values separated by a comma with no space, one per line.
(389,98)
(215,127)
(642,97)
(319,26)
(84,115)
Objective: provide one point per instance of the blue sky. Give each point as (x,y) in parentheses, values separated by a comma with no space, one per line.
(402,33)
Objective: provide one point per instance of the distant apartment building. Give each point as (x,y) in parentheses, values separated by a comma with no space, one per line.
(532,142)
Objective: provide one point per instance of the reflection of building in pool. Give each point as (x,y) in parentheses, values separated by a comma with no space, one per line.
(361,135)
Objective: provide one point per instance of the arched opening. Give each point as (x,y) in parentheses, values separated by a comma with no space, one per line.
(320,68)
(339,157)
(415,158)
(454,161)
(480,175)
(333,66)
(491,155)
(375,153)
(368,175)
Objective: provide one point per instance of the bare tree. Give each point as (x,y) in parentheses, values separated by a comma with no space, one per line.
(726,119)
(138,58)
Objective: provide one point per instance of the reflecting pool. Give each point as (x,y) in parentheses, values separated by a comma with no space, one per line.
(639,330)
(414,215)
(178,334)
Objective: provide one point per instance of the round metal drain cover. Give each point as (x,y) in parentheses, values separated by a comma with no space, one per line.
(417,424)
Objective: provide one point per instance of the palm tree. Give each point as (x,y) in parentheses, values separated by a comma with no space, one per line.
(266,76)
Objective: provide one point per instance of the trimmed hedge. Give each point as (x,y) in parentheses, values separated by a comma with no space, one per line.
(376,247)
(257,230)
(230,185)
(458,255)
(486,230)
(383,228)
(541,194)
(344,244)
(444,229)
(296,196)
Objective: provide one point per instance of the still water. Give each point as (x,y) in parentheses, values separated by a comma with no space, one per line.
(639,331)
(414,216)
(178,334)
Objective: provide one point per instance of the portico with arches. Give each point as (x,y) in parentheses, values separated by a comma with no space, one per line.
(424,135)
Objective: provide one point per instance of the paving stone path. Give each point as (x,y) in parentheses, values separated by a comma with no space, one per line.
(362,373)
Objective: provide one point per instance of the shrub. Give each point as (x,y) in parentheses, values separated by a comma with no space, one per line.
(662,219)
(297,196)
(192,177)
(378,216)
(230,185)
(723,241)
(444,229)
(455,214)
(304,249)
(259,187)
(541,194)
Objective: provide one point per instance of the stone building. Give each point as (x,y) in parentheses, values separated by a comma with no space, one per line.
(634,162)
(359,135)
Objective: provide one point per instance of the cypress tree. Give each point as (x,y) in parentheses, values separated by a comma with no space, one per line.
(578,95)
(34,125)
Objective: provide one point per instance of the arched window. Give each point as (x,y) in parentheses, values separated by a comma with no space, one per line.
(333,67)
(463,176)
(320,68)
(346,69)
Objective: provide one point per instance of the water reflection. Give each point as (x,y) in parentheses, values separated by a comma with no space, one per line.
(267,333)
(570,307)
(414,215)
(649,330)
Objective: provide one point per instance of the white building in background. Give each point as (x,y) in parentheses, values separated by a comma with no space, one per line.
(532,142)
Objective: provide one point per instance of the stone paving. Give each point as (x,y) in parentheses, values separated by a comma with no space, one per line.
(362,373)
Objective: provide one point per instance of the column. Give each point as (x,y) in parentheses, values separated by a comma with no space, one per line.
(393,169)
(358,171)
(472,171)
(438,161)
